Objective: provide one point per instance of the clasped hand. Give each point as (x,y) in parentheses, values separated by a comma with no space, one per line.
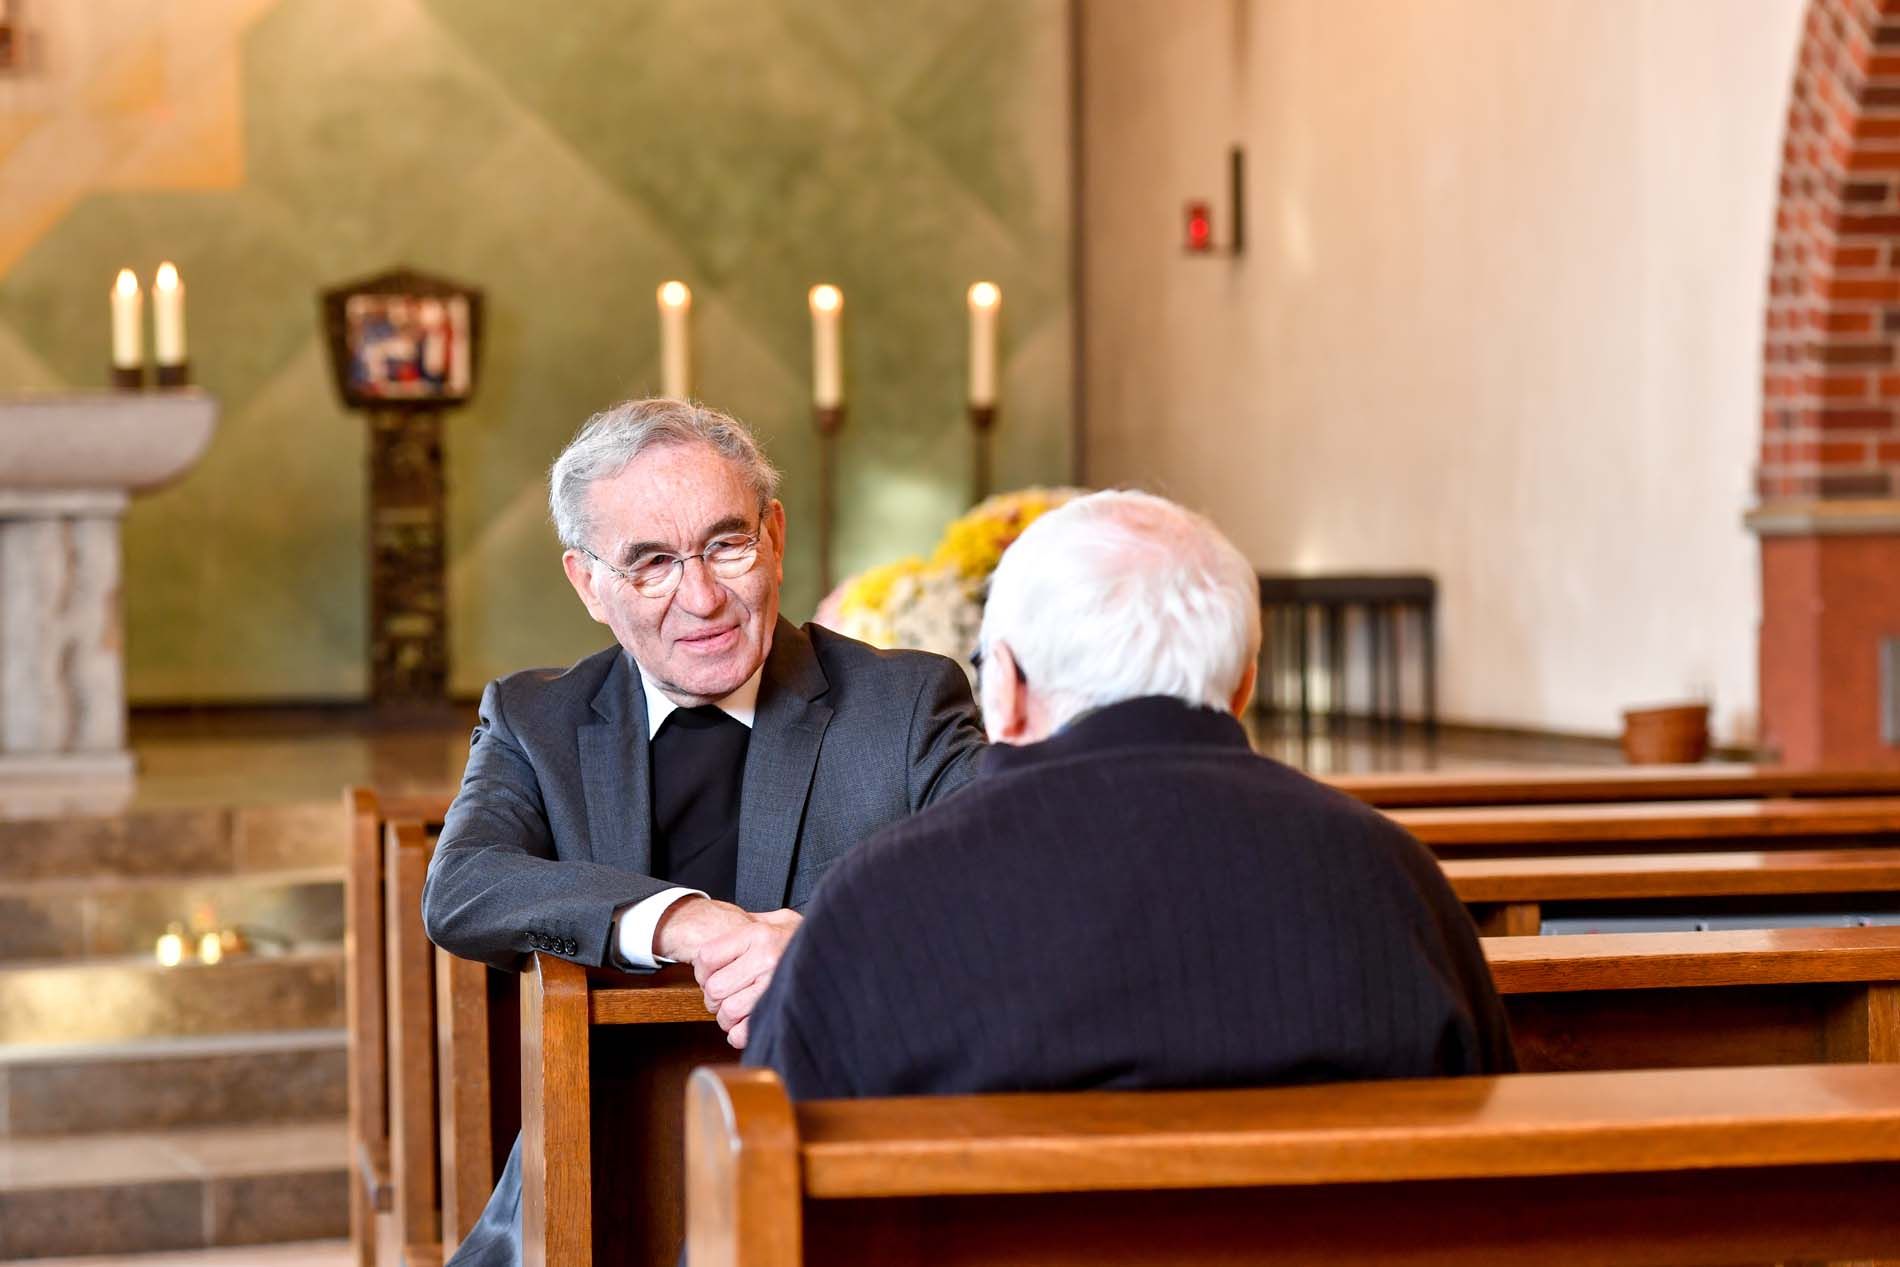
(733,953)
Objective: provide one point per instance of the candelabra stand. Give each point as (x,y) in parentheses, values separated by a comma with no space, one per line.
(830,421)
(982,420)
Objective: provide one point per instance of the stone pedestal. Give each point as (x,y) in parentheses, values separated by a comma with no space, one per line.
(1830,603)
(408,605)
(67,467)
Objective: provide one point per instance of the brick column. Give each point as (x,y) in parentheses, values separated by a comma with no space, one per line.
(1828,516)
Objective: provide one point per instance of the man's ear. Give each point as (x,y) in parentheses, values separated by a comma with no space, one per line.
(1005,696)
(580,574)
(1243,694)
(773,524)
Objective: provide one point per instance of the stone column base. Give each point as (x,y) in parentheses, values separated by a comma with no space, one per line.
(62,671)
(1830,598)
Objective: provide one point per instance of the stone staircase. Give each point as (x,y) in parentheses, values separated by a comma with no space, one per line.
(152,1108)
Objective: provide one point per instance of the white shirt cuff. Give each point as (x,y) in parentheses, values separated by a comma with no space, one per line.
(636,924)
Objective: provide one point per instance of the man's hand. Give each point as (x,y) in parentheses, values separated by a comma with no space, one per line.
(735,967)
(690,923)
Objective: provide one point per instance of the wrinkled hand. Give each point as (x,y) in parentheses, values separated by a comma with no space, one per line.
(735,967)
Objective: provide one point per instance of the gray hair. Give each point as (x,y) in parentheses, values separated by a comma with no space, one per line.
(608,443)
(1122,594)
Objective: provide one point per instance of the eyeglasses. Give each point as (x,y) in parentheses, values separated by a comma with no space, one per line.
(657,575)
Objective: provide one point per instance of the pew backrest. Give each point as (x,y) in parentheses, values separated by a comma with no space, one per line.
(768,1180)
(1698,826)
(1576,785)
(1507,895)
(410,989)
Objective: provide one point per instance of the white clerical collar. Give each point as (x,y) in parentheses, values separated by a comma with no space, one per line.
(741,705)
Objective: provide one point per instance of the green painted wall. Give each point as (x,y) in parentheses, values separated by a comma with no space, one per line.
(566,159)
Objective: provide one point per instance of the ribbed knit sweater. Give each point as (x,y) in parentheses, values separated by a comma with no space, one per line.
(1138,901)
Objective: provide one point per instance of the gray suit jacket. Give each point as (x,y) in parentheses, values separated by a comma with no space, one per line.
(552,830)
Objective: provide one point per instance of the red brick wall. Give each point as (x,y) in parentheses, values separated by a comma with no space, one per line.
(1831,372)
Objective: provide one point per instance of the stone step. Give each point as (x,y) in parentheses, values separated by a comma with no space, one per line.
(164,1083)
(172,842)
(173,1190)
(104,1000)
(80,918)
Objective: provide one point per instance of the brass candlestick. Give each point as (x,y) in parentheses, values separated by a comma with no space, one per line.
(982,419)
(178,375)
(127,378)
(830,420)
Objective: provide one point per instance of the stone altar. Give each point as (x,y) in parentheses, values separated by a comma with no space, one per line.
(69,464)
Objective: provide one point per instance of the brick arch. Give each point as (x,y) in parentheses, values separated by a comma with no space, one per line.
(1831,370)
(1829,474)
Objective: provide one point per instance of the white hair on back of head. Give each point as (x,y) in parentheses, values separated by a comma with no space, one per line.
(1118,595)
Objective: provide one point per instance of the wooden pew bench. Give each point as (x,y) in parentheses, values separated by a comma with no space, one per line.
(368,998)
(1660,1000)
(605,1055)
(1677,1167)
(1508,896)
(1574,785)
(1675,827)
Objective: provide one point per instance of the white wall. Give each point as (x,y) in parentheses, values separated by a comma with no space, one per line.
(1499,318)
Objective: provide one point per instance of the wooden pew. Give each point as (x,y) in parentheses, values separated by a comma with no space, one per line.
(478,1075)
(1577,785)
(1662,1000)
(1686,826)
(409,987)
(366,815)
(1676,1167)
(604,1054)
(454,1072)
(1507,896)
(604,1060)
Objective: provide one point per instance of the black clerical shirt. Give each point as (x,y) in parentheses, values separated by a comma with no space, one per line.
(698,772)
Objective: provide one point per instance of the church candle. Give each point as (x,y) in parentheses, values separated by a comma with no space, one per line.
(168,316)
(827,369)
(985,302)
(676,302)
(128,310)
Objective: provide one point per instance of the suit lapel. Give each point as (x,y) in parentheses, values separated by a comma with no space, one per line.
(787,731)
(614,773)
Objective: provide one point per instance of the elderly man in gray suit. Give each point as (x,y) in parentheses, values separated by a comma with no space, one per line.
(679,796)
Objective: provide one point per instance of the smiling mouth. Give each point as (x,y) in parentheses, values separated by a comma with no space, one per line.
(710,640)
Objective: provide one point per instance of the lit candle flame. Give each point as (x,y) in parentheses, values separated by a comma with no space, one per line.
(675,295)
(985,295)
(826,298)
(167,278)
(210,948)
(171,949)
(128,283)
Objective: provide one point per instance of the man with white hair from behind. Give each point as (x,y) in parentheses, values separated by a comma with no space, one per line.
(1126,895)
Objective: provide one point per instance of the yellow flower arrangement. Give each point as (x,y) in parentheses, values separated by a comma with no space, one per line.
(937,605)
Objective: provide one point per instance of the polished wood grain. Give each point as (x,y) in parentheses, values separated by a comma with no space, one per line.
(478,1075)
(557,1155)
(628,998)
(742,1197)
(1703,1166)
(1599,877)
(410,988)
(1860,818)
(1635,961)
(1553,785)
(364,1011)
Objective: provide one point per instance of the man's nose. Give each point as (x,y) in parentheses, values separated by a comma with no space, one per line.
(699,592)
